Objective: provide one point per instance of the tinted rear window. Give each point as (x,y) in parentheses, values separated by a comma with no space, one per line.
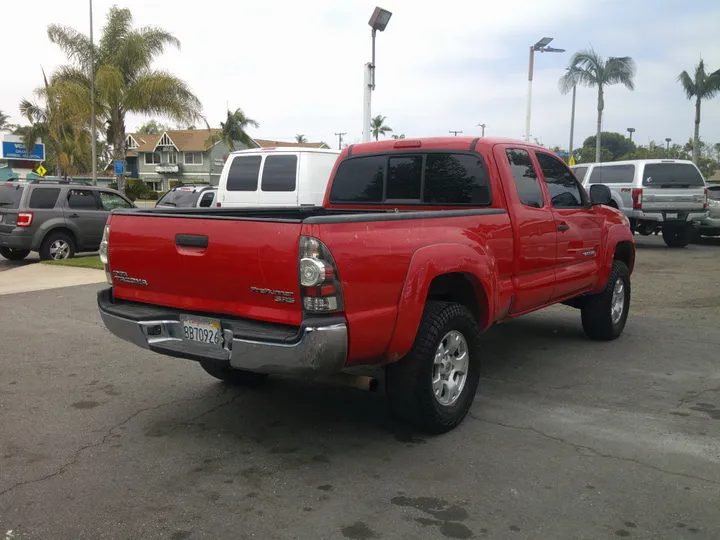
(243,173)
(43,198)
(445,179)
(179,197)
(672,174)
(10,195)
(613,174)
(279,173)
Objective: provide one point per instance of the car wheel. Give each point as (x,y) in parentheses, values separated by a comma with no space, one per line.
(676,236)
(604,315)
(14,254)
(434,386)
(232,376)
(57,247)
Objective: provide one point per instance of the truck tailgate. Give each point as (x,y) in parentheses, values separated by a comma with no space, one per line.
(243,268)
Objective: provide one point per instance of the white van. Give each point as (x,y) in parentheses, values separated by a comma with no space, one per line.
(276,177)
(667,195)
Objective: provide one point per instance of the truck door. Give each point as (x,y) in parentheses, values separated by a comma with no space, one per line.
(534,228)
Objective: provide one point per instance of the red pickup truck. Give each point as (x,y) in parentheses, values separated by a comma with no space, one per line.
(419,247)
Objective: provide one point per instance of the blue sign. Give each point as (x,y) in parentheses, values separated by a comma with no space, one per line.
(17,150)
(119,166)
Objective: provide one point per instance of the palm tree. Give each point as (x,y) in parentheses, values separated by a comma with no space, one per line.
(300,139)
(233,130)
(4,121)
(589,69)
(378,127)
(702,86)
(125,81)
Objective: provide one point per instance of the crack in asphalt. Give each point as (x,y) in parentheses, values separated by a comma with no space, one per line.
(110,431)
(693,397)
(591,450)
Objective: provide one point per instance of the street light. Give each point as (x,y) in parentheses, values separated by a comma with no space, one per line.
(667,146)
(483,129)
(378,22)
(541,46)
(631,131)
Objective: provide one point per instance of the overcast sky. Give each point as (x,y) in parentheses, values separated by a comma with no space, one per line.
(297,66)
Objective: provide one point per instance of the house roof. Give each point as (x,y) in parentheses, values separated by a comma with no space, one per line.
(186,140)
(265,143)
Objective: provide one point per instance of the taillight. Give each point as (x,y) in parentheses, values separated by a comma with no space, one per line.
(320,285)
(637,198)
(24,219)
(705,199)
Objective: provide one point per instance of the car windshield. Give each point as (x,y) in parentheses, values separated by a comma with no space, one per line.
(180,197)
(10,195)
(672,175)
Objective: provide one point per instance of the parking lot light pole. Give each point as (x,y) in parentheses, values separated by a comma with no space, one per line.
(541,46)
(667,146)
(378,22)
(631,131)
(483,126)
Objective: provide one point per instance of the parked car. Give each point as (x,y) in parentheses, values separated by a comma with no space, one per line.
(190,196)
(655,194)
(419,247)
(710,226)
(56,219)
(276,177)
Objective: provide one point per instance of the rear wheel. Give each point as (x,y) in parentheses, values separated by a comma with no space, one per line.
(677,235)
(57,247)
(232,376)
(434,386)
(604,315)
(14,254)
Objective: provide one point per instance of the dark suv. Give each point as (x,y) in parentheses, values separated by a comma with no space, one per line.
(56,219)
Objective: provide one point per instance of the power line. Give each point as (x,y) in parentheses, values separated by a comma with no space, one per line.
(340,139)
(455,132)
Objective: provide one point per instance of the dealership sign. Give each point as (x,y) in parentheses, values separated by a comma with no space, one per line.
(17,150)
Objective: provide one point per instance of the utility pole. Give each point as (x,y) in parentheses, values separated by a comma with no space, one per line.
(340,138)
(483,129)
(93,128)
(455,132)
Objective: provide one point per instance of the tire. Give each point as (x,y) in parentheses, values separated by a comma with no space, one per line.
(54,242)
(676,236)
(409,382)
(598,320)
(236,377)
(14,254)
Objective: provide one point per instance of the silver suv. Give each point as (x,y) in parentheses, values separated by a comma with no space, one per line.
(655,194)
(56,219)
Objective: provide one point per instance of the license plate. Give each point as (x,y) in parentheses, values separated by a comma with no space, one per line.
(671,215)
(201,330)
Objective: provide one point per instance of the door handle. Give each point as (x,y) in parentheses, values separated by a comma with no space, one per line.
(73,215)
(563,227)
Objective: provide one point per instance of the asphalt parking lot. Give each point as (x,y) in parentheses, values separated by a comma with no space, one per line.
(567,439)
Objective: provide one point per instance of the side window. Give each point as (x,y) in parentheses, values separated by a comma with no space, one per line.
(526,179)
(43,198)
(403,181)
(612,174)
(359,180)
(564,190)
(110,201)
(456,179)
(207,199)
(279,173)
(243,173)
(580,173)
(82,199)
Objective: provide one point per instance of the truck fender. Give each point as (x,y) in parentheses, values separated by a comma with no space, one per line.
(615,235)
(426,264)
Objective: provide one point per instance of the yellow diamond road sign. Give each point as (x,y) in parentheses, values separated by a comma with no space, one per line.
(41,170)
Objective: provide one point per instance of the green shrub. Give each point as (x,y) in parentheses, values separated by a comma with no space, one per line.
(174,183)
(152,196)
(136,189)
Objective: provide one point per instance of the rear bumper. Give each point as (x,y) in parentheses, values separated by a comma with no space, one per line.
(661,215)
(317,346)
(16,240)
(710,223)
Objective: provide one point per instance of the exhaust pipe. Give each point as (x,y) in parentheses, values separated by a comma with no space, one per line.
(361,382)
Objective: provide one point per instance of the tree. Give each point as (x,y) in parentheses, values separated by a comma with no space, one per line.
(701,86)
(589,69)
(153,127)
(125,81)
(4,122)
(233,130)
(378,127)
(300,139)
(616,144)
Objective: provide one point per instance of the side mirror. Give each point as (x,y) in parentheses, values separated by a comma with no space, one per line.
(600,194)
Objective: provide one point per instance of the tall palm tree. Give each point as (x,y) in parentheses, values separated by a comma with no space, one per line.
(378,127)
(125,80)
(4,121)
(232,130)
(701,86)
(589,69)
(300,139)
